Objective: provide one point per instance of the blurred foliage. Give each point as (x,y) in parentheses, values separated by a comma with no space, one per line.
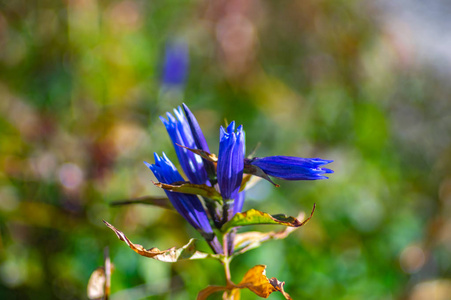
(80,96)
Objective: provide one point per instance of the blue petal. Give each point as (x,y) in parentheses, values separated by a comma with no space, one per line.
(293,168)
(180,133)
(197,133)
(238,203)
(189,206)
(175,66)
(230,161)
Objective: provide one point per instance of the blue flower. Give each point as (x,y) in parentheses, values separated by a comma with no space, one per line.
(175,66)
(238,203)
(181,134)
(292,168)
(230,161)
(189,206)
(199,140)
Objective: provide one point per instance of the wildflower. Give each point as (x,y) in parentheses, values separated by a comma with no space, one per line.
(189,206)
(230,161)
(175,66)
(199,140)
(181,134)
(292,168)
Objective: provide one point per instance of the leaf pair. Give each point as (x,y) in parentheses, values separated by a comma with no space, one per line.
(255,280)
(244,241)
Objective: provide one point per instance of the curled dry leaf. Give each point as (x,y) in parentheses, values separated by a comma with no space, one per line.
(173,254)
(255,280)
(96,284)
(190,188)
(100,281)
(256,217)
(278,285)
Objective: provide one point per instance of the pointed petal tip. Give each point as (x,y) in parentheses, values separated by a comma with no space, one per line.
(231,127)
(163,120)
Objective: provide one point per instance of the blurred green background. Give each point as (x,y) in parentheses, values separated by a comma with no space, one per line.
(80,96)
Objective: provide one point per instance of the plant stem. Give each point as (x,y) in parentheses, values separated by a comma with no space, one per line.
(227,294)
(226,260)
(227,270)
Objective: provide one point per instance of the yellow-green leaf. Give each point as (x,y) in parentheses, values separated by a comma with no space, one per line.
(256,217)
(249,240)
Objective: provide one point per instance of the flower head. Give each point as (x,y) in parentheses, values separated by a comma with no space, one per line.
(199,139)
(230,161)
(292,168)
(175,66)
(189,206)
(181,134)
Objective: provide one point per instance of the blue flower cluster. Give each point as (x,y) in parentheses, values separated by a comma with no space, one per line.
(225,174)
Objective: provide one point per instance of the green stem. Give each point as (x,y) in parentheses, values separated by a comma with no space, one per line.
(226,260)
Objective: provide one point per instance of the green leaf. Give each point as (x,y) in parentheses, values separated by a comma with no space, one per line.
(157,201)
(173,254)
(190,188)
(256,217)
(249,240)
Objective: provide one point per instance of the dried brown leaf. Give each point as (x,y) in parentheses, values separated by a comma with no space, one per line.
(96,284)
(255,280)
(173,254)
(210,290)
(100,281)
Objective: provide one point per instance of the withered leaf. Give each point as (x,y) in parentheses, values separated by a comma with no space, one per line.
(211,289)
(255,280)
(256,217)
(96,284)
(190,188)
(100,281)
(173,254)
